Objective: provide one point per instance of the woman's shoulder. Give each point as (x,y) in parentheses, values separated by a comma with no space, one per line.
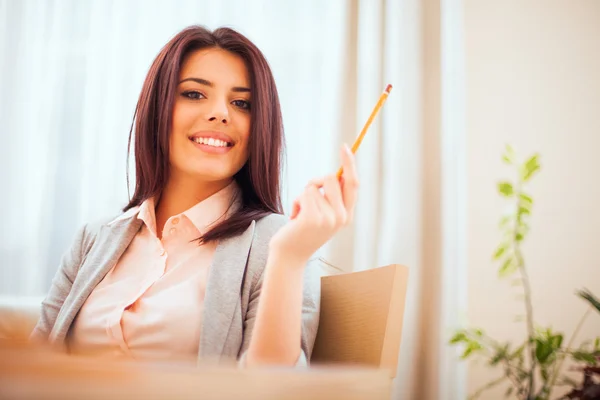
(93,226)
(264,229)
(271,223)
(267,226)
(89,230)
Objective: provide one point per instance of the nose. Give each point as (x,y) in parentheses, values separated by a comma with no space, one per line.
(218,113)
(221,117)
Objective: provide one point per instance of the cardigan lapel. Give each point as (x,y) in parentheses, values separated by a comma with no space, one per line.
(110,244)
(223,292)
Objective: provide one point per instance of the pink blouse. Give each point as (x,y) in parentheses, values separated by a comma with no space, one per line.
(150,304)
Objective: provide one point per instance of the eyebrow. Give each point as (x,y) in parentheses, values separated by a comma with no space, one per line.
(239,89)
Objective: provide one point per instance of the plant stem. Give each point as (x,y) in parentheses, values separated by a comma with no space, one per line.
(527,293)
(530,330)
(556,371)
(487,386)
(513,378)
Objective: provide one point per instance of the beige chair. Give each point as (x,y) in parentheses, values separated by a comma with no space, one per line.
(361,318)
(18,315)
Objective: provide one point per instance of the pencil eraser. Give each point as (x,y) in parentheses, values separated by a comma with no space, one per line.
(388,88)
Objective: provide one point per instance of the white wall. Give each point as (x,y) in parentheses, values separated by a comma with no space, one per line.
(533,80)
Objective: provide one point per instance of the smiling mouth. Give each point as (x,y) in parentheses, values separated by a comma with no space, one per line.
(211,142)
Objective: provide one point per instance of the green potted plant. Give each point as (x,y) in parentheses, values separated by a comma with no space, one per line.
(534,367)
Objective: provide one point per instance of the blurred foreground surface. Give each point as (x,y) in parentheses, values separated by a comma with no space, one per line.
(33,372)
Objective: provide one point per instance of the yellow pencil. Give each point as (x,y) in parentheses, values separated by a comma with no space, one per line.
(360,137)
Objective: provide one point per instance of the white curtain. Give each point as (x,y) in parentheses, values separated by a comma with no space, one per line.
(70,74)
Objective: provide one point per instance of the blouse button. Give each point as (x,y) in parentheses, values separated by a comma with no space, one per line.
(175,221)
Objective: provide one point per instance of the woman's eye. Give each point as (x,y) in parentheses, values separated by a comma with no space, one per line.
(192,94)
(242,104)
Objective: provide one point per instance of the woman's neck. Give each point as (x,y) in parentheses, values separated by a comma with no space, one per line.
(181,194)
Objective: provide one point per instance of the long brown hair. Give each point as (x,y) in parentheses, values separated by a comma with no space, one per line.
(259,178)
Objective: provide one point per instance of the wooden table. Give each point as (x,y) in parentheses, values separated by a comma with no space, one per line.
(34,373)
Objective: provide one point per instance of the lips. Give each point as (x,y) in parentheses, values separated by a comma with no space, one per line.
(212,138)
(214,143)
(211,142)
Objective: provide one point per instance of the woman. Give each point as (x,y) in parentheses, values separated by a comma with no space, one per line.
(202,264)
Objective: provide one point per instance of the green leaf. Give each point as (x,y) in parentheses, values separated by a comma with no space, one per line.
(584,356)
(478,332)
(509,155)
(519,236)
(508,267)
(500,354)
(532,161)
(471,347)
(589,297)
(597,344)
(530,167)
(500,251)
(546,346)
(518,352)
(466,353)
(505,189)
(523,210)
(556,341)
(496,359)
(530,173)
(458,338)
(525,199)
(523,228)
(543,351)
(505,221)
(522,234)
(508,391)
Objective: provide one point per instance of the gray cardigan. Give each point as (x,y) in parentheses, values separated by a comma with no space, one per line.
(232,290)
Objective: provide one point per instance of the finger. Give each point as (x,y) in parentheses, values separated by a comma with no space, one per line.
(333,194)
(350,179)
(318,182)
(309,200)
(323,214)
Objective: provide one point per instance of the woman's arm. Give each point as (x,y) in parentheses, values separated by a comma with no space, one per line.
(61,286)
(326,206)
(308,315)
(287,315)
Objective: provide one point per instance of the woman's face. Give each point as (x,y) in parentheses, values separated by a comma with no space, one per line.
(211,116)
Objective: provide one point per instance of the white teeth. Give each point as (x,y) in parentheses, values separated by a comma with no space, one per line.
(210,142)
